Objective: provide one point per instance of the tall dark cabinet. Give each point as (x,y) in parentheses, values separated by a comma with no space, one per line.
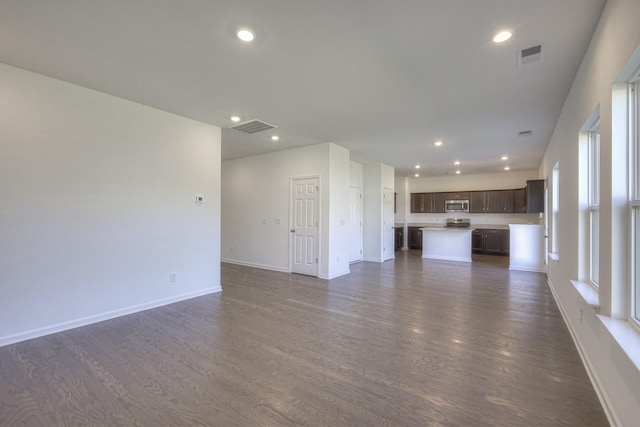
(535,196)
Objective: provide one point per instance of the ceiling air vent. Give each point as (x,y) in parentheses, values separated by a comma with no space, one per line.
(253,126)
(530,55)
(525,133)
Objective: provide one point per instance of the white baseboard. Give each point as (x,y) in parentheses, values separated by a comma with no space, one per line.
(522,268)
(373,259)
(72,324)
(593,376)
(446,258)
(333,276)
(255,265)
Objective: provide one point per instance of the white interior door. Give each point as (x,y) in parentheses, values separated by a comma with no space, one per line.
(305,226)
(355,225)
(388,240)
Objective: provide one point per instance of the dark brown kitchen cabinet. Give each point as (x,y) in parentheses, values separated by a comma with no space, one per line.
(506,241)
(508,201)
(399,237)
(490,241)
(535,196)
(415,238)
(417,202)
(519,204)
(438,202)
(493,201)
(421,202)
(529,199)
(476,202)
(458,196)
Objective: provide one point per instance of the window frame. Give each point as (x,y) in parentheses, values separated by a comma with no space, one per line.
(593,172)
(555,209)
(634,195)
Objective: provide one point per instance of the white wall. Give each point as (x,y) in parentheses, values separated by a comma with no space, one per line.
(355,175)
(98,206)
(256,190)
(616,378)
(339,199)
(376,177)
(488,181)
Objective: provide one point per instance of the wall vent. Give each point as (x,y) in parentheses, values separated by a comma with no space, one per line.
(253,126)
(530,55)
(525,133)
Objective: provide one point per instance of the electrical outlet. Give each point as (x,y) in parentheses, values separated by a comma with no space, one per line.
(173,277)
(580,315)
(233,249)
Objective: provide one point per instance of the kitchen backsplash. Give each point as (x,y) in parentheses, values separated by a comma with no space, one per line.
(477,218)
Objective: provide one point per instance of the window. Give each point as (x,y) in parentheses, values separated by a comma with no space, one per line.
(594,203)
(555,207)
(634,139)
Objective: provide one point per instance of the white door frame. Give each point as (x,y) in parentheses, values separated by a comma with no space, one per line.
(361,232)
(318,216)
(388,242)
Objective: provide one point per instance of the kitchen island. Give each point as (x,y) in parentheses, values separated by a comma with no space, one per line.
(446,243)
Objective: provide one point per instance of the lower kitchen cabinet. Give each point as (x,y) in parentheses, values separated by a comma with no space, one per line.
(490,241)
(415,238)
(399,233)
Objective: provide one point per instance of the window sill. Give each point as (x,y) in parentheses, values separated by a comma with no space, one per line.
(588,293)
(626,335)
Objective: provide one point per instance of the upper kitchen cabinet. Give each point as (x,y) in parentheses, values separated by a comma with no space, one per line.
(476,202)
(438,202)
(421,202)
(493,201)
(535,196)
(519,200)
(458,196)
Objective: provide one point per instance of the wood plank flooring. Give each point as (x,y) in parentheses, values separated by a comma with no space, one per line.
(409,342)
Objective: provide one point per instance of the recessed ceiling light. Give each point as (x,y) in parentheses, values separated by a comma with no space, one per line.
(504,158)
(275,137)
(417,166)
(245,35)
(507,168)
(437,143)
(457,162)
(457,172)
(502,36)
(235,119)
(417,175)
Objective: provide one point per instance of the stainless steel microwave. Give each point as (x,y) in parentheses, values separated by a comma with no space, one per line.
(456,206)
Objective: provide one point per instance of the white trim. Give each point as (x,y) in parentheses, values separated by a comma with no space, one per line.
(255,265)
(373,259)
(446,258)
(626,335)
(333,276)
(588,292)
(72,324)
(536,270)
(591,372)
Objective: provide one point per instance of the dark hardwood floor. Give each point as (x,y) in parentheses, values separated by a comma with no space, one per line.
(409,342)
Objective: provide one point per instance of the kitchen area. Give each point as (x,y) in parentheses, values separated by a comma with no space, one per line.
(461,225)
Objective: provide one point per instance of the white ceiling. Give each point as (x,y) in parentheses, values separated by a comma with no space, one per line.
(383,79)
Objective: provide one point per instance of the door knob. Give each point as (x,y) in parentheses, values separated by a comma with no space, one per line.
(293,230)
